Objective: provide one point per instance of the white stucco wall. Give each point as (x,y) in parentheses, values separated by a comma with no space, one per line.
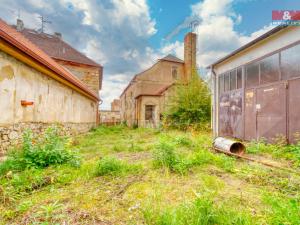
(53,101)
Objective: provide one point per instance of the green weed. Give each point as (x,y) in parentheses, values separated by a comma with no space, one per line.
(115,167)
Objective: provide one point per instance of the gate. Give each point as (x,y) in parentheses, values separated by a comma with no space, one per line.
(294,110)
(271,112)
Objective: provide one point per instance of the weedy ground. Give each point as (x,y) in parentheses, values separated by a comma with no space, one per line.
(144,176)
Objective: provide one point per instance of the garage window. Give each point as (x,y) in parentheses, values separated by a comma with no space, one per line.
(233,80)
(226,82)
(269,69)
(239,77)
(290,62)
(252,75)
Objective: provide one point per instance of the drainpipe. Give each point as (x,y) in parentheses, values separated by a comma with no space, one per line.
(214,102)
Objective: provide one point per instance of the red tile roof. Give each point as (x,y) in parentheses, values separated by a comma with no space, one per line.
(16,39)
(57,48)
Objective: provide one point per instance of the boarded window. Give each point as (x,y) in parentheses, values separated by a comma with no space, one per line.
(221,83)
(252,75)
(269,69)
(226,82)
(239,77)
(290,62)
(149,112)
(233,80)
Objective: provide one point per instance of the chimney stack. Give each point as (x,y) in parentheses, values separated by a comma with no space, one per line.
(20,25)
(58,35)
(190,41)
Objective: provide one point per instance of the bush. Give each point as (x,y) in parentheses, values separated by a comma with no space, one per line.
(166,156)
(190,106)
(49,149)
(115,167)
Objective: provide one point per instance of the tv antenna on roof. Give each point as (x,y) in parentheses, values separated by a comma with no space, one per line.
(43,21)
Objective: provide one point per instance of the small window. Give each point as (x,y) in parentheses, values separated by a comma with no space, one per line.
(226,82)
(174,72)
(233,80)
(221,83)
(252,75)
(239,78)
(269,69)
(290,62)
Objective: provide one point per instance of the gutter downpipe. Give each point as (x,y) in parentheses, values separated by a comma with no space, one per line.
(214,101)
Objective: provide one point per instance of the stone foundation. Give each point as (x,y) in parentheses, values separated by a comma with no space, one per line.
(11,135)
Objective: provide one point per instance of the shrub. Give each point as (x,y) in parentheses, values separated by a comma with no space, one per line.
(49,149)
(115,167)
(190,106)
(166,156)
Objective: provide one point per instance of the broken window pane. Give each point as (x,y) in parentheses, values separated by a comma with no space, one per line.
(269,69)
(239,77)
(252,75)
(290,62)
(233,80)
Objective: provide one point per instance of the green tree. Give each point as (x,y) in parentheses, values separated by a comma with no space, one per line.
(190,105)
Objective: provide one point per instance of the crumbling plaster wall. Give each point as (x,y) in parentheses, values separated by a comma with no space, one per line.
(53,103)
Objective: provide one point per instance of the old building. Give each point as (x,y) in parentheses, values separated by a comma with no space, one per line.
(36,91)
(113,116)
(256,93)
(144,99)
(88,71)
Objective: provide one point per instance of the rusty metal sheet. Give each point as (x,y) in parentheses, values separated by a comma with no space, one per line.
(224,115)
(294,111)
(271,112)
(250,115)
(236,119)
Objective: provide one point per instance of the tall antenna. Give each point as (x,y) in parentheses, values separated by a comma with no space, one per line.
(43,23)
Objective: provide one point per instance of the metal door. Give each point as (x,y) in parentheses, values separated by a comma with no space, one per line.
(250,115)
(294,110)
(236,119)
(271,112)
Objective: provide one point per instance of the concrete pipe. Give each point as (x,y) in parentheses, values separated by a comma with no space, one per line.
(229,146)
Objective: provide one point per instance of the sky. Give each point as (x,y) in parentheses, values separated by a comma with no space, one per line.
(128,36)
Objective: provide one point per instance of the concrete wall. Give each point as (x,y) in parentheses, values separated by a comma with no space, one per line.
(87,74)
(273,43)
(53,102)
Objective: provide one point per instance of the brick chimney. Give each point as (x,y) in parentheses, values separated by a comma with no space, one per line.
(20,25)
(190,41)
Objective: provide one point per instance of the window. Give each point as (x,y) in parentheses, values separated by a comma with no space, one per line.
(239,77)
(174,72)
(221,83)
(290,62)
(269,69)
(233,80)
(149,112)
(252,75)
(226,82)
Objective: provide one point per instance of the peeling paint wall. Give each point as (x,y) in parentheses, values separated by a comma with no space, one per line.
(53,102)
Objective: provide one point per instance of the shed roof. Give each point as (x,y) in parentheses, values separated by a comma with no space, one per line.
(248,45)
(172,58)
(17,40)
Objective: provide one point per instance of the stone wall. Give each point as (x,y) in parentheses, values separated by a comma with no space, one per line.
(12,135)
(91,76)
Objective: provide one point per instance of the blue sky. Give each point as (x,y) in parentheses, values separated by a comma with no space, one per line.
(128,36)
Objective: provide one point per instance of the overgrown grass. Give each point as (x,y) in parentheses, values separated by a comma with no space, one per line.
(202,211)
(277,150)
(40,152)
(115,167)
(165,155)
